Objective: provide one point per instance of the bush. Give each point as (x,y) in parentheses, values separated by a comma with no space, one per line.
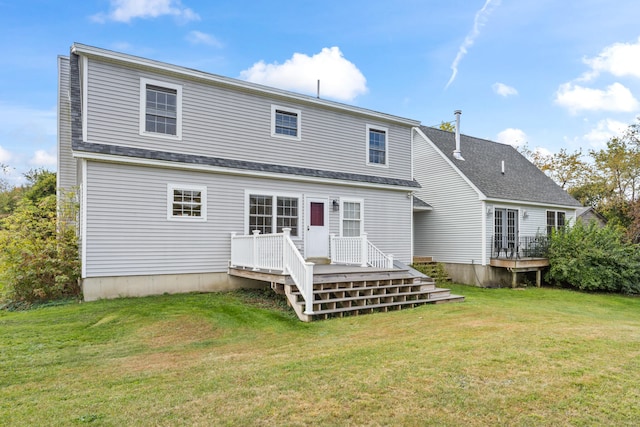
(39,252)
(591,258)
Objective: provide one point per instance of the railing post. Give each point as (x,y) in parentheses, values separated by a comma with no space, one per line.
(233,234)
(332,248)
(286,232)
(254,251)
(364,249)
(390,258)
(308,291)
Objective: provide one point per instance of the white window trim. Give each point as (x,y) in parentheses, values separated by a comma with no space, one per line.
(143,108)
(273,123)
(203,191)
(351,200)
(274,196)
(555,217)
(386,156)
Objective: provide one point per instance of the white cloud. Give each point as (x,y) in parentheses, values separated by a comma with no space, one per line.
(339,78)
(576,98)
(618,59)
(513,137)
(42,158)
(504,90)
(126,10)
(603,132)
(5,155)
(479,21)
(198,37)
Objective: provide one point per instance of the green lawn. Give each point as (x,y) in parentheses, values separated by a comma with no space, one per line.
(503,357)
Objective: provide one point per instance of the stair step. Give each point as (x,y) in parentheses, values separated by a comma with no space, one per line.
(435,293)
(422,286)
(362,277)
(451,298)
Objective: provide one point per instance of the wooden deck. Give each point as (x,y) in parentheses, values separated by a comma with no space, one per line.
(521,265)
(342,290)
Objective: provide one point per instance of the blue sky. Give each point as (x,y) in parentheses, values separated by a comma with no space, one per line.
(554,74)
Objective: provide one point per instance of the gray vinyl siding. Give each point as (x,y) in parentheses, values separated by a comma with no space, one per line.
(66,165)
(452,231)
(235,124)
(127,231)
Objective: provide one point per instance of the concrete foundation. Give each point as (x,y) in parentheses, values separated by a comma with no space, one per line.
(95,288)
(485,275)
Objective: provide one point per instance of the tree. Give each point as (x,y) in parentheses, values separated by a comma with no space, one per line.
(39,258)
(41,183)
(588,257)
(448,126)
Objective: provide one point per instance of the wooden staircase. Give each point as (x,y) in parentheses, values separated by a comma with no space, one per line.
(362,292)
(433,269)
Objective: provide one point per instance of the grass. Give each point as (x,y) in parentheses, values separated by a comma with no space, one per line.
(503,357)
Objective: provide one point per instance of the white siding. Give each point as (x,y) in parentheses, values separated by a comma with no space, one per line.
(452,231)
(235,124)
(66,164)
(127,231)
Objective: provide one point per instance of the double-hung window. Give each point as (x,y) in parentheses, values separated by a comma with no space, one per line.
(286,123)
(377,146)
(160,109)
(352,224)
(555,221)
(272,213)
(186,202)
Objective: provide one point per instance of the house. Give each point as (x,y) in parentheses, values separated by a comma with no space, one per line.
(490,208)
(185,177)
(588,215)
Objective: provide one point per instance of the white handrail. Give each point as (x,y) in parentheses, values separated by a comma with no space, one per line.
(377,258)
(300,271)
(274,252)
(358,251)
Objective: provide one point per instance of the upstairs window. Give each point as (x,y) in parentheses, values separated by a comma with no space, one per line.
(160,109)
(555,221)
(186,202)
(285,123)
(377,146)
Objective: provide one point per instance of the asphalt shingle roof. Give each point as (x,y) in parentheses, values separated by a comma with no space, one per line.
(141,153)
(482,165)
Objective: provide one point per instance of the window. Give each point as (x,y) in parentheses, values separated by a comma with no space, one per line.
(285,123)
(555,221)
(186,202)
(266,219)
(377,145)
(352,224)
(160,109)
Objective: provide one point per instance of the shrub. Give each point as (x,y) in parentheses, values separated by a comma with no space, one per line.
(39,252)
(591,258)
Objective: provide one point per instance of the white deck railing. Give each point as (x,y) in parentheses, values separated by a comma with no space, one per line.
(274,252)
(358,251)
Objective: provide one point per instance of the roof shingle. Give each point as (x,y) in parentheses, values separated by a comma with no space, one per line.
(482,165)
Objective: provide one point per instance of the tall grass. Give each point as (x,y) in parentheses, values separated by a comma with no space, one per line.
(503,357)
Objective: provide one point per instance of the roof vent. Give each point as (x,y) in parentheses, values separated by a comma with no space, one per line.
(456,153)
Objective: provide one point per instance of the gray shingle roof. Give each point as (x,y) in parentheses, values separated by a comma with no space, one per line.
(141,153)
(419,204)
(482,165)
